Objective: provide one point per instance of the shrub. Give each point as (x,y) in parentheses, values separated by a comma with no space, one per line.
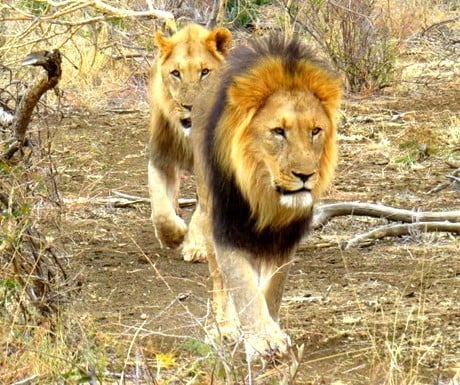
(353,35)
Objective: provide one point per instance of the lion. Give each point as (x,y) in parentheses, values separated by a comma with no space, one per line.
(186,64)
(264,142)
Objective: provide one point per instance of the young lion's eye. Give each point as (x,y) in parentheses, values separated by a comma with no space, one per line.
(279,131)
(176,74)
(316,131)
(204,72)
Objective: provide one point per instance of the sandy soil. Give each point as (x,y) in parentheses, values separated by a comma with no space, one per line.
(356,311)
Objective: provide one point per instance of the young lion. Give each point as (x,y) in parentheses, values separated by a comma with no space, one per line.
(264,142)
(186,65)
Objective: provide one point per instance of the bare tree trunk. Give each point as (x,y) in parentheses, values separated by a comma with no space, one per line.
(217,14)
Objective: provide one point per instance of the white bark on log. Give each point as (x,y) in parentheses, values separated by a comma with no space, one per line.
(325,212)
(396,230)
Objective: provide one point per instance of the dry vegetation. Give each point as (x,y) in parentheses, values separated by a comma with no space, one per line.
(114,308)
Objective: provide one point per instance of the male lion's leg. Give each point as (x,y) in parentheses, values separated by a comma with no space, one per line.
(163,181)
(224,309)
(262,334)
(198,236)
(274,276)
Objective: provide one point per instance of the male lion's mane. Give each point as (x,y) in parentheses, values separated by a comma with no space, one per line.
(252,74)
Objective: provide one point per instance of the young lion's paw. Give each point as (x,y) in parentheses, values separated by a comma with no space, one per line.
(171,231)
(194,252)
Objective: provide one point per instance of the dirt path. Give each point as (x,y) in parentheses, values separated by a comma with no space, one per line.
(356,311)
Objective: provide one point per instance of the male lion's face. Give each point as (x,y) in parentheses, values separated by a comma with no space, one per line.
(189,60)
(286,139)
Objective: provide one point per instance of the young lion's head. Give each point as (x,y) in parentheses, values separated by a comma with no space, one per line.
(272,131)
(187,62)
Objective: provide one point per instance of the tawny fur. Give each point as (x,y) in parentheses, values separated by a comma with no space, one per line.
(186,64)
(264,141)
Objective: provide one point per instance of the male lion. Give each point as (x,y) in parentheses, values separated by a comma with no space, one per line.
(264,141)
(186,64)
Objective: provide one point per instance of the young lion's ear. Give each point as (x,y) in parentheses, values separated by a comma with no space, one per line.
(162,43)
(220,40)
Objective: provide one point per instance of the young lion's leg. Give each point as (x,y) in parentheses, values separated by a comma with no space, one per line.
(198,241)
(163,182)
(198,236)
(242,281)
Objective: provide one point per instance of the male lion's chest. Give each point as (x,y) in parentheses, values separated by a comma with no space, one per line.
(234,226)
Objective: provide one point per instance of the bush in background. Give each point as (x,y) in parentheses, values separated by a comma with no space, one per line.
(351,34)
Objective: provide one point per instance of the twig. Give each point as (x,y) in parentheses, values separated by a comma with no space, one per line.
(454,178)
(183,202)
(25,381)
(444,185)
(401,229)
(126,200)
(426,30)
(68,7)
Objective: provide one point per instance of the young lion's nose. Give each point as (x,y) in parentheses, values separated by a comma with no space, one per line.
(188,107)
(302,176)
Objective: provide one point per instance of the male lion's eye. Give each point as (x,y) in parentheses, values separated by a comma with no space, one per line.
(176,73)
(279,131)
(204,72)
(316,131)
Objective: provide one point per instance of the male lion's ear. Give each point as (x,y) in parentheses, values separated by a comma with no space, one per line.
(220,40)
(162,43)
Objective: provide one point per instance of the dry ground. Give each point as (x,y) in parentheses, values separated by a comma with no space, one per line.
(358,311)
(370,315)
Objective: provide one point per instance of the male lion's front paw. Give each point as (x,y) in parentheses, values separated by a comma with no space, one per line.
(170,231)
(227,333)
(269,346)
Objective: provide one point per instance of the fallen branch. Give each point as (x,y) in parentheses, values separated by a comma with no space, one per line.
(399,230)
(454,179)
(421,221)
(183,202)
(426,221)
(325,212)
(439,23)
(122,200)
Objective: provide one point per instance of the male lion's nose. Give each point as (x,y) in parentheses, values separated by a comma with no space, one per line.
(302,176)
(188,107)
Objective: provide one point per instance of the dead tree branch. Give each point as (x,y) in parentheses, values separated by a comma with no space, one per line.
(64,8)
(121,200)
(454,180)
(413,221)
(439,23)
(33,261)
(401,229)
(421,221)
(325,212)
(51,62)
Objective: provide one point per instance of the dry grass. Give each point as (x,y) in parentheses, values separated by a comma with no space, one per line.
(387,344)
